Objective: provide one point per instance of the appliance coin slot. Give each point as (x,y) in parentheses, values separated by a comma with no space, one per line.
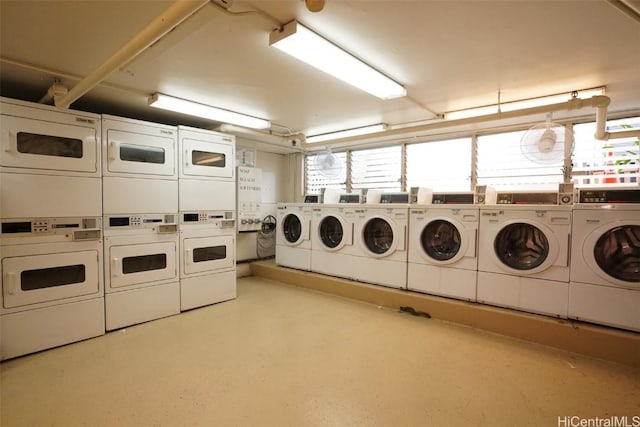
(86,235)
(66,225)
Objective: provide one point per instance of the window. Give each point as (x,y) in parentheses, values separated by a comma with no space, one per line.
(502,165)
(440,165)
(597,162)
(378,168)
(320,176)
(452,165)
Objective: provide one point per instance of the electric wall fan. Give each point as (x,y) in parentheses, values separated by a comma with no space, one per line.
(547,143)
(327,164)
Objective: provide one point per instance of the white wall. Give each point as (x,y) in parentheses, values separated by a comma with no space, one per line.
(281,182)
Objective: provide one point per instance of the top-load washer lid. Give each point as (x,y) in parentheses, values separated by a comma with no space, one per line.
(377,235)
(617,253)
(292,228)
(521,246)
(331,232)
(441,240)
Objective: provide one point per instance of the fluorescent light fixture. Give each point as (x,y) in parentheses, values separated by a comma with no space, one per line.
(523,104)
(191,108)
(346,133)
(307,46)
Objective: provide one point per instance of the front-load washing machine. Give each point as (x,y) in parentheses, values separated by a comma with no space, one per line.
(380,232)
(293,235)
(605,258)
(332,244)
(523,260)
(443,254)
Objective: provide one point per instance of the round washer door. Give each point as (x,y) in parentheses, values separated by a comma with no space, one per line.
(525,247)
(379,236)
(292,227)
(442,242)
(332,233)
(613,253)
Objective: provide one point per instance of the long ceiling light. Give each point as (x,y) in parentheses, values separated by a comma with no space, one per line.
(346,133)
(307,46)
(523,104)
(191,108)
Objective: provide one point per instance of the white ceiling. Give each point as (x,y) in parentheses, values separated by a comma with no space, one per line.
(449,55)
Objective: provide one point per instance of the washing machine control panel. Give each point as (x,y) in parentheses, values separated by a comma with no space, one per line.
(394,198)
(452,198)
(629,195)
(532,198)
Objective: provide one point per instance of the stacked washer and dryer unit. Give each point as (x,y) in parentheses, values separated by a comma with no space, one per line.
(140,195)
(51,236)
(207,203)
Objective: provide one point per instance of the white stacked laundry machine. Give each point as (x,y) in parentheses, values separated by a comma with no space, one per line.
(524,258)
(605,257)
(207,203)
(140,195)
(51,236)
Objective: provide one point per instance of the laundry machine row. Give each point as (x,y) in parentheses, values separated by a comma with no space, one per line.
(67,177)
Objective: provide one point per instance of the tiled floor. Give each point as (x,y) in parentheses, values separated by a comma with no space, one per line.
(284,356)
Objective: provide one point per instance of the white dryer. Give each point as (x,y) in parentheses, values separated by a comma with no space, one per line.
(332,243)
(207,170)
(140,166)
(140,268)
(605,258)
(380,232)
(523,260)
(52,288)
(208,260)
(293,235)
(442,255)
(51,155)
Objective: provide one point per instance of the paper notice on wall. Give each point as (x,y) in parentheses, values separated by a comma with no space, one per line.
(249,197)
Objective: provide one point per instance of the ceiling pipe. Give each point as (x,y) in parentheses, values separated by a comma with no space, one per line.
(292,140)
(160,26)
(600,102)
(601,128)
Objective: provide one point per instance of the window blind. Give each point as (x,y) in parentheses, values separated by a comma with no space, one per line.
(378,168)
(440,165)
(316,180)
(501,164)
(597,163)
